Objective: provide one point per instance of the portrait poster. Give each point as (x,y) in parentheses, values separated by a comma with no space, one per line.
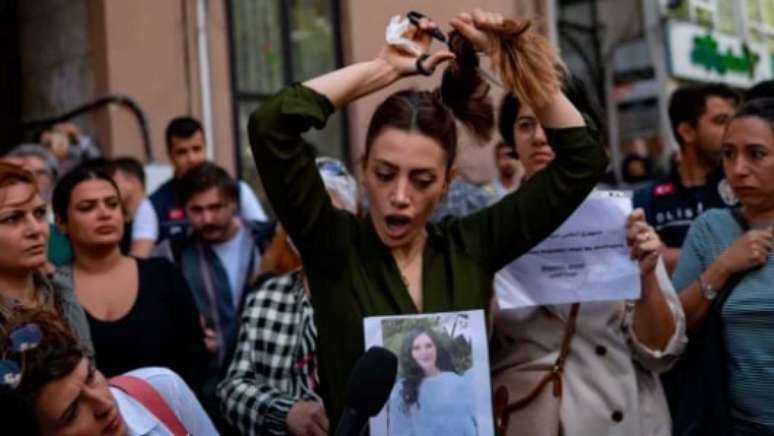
(443,386)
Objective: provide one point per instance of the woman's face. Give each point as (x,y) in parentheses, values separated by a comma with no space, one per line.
(748,161)
(23,228)
(79,404)
(94,214)
(404,176)
(424,353)
(535,153)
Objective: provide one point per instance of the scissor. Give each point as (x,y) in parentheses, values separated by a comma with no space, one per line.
(414,17)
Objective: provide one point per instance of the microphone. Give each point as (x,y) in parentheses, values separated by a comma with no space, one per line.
(368,388)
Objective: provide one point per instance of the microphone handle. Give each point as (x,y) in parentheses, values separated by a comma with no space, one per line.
(351,423)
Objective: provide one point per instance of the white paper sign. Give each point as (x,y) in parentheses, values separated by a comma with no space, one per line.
(443,386)
(585,259)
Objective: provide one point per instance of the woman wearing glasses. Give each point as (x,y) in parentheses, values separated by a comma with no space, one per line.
(586,368)
(24,231)
(394,261)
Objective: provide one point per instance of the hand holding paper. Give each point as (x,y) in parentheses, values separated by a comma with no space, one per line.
(645,244)
(585,259)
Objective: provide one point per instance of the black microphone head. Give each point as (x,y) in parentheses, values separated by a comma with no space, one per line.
(371,381)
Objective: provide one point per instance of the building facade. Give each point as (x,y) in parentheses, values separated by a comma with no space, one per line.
(214,60)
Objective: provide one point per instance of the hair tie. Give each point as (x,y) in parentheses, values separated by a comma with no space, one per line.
(421,68)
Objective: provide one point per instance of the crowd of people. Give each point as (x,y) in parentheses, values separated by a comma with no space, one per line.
(194,311)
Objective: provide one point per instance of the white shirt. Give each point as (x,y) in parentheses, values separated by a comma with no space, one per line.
(141,422)
(146,223)
(229,255)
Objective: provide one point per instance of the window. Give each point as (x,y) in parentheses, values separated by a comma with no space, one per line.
(760,15)
(719,15)
(275,43)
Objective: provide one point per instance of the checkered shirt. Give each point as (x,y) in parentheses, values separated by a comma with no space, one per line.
(275,363)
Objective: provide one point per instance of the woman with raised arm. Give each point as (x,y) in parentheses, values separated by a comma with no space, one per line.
(586,368)
(394,261)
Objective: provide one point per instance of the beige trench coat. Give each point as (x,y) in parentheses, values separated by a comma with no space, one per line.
(610,381)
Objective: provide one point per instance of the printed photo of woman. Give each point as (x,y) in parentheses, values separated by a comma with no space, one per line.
(430,397)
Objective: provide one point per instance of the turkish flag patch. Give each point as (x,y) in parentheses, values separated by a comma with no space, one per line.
(176,214)
(664,189)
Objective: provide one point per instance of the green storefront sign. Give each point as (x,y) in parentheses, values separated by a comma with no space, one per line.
(706,53)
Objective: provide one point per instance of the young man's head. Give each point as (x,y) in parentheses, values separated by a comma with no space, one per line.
(699,114)
(185,144)
(129,175)
(210,197)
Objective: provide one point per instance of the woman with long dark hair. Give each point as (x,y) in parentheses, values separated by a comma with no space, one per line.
(431,398)
(394,261)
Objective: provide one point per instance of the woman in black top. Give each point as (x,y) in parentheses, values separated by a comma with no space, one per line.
(140,312)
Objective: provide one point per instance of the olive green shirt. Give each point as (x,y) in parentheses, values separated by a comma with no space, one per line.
(353,275)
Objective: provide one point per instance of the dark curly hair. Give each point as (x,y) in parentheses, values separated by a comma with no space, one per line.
(55,357)
(413,374)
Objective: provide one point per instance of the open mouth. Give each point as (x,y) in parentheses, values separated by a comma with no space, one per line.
(397,225)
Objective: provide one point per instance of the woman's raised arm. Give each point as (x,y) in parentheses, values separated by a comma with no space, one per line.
(347,84)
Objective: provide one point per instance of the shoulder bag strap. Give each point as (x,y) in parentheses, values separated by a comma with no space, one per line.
(147,395)
(553,376)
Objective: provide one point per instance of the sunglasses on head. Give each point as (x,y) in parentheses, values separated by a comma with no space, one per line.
(21,339)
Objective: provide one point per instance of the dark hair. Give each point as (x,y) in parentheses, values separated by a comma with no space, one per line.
(56,356)
(464,91)
(181,127)
(688,103)
(129,165)
(575,91)
(509,111)
(60,199)
(760,107)
(203,177)
(412,373)
(413,110)
(463,94)
(763,89)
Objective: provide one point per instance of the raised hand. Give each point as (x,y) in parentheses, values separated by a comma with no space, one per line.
(475,27)
(643,241)
(404,60)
